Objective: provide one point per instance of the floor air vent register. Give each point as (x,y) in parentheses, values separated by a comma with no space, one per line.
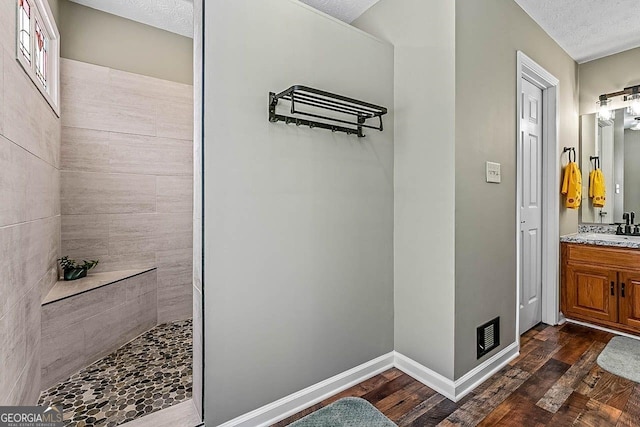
(488,337)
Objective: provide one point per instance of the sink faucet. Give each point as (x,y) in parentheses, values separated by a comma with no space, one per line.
(628,217)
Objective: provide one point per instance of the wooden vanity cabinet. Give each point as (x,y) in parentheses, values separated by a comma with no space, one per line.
(601,285)
(629,301)
(590,292)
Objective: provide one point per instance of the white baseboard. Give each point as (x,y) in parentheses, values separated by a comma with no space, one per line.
(602,328)
(426,376)
(303,399)
(472,379)
(296,402)
(456,390)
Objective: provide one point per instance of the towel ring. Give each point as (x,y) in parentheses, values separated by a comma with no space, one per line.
(570,150)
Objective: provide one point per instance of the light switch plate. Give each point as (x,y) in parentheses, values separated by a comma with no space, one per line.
(493,173)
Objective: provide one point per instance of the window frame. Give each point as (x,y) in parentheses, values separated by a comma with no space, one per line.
(40,11)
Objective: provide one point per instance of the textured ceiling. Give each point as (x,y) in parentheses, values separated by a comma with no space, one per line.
(344,10)
(171,15)
(588,29)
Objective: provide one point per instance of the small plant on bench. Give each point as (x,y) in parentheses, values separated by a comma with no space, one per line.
(73,270)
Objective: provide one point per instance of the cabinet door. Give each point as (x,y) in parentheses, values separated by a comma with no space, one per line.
(629,304)
(592,292)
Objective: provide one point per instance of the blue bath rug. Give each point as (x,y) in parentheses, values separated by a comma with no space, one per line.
(347,412)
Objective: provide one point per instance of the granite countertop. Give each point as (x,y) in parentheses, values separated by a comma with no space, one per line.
(602,239)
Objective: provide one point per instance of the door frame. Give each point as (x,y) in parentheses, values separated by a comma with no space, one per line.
(527,68)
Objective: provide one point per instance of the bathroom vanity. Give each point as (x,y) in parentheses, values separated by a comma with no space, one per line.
(600,280)
(600,265)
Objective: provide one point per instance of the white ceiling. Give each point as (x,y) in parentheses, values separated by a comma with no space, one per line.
(170,15)
(344,10)
(588,29)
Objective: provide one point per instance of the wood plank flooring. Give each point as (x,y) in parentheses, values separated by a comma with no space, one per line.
(554,382)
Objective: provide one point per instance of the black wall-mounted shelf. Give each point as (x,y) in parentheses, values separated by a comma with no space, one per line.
(319,99)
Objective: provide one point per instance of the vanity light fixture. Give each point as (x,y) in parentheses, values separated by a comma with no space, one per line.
(604,108)
(634,104)
(630,94)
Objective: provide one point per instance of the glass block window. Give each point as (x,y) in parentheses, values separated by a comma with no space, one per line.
(38,47)
(24,29)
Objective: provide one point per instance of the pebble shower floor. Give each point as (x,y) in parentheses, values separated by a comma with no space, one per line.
(150,373)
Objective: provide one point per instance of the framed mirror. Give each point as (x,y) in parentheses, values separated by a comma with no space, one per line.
(614,146)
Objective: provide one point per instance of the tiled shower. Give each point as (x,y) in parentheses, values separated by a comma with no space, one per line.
(112,180)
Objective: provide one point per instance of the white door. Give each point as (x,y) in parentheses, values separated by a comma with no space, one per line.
(531,207)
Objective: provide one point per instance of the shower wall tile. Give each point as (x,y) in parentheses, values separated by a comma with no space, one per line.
(47,282)
(152,87)
(150,155)
(62,354)
(27,388)
(173,231)
(20,344)
(84,150)
(32,320)
(42,189)
(71,71)
(124,262)
(96,105)
(172,125)
(29,218)
(61,314)
(7,25)
(174,194)
(85,236)
(109,330)
(129,234)
(127,175)
(28,119)
(157,232)
(77,331)
(2,56)
(51,134)
(21,125)
(27,253)
(13,343)
(13,183)
(175,284)
(96,193)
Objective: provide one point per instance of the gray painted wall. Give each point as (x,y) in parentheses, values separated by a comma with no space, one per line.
(488,34)
(605,75)
(298,274)
(100,38)
(423,34)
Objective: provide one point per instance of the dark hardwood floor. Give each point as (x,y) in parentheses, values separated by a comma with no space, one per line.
(554,382)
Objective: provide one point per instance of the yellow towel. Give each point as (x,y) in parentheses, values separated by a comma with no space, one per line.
(597,188)
(572,186)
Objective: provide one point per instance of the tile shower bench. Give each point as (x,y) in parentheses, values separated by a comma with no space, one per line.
(87,319)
